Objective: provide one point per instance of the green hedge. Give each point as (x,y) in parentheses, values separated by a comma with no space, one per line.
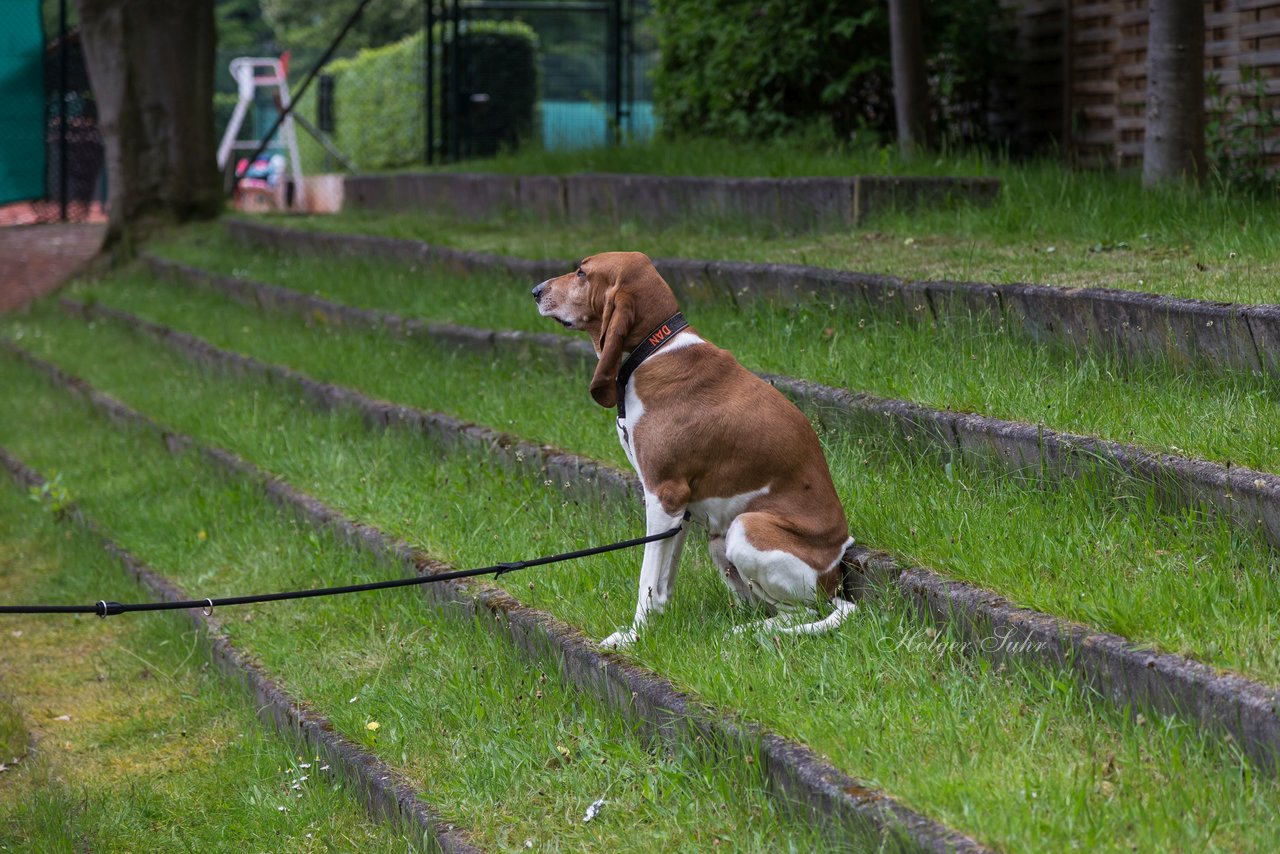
(378,95)
(765,68)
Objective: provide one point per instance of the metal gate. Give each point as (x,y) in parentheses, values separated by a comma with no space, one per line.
(586,80)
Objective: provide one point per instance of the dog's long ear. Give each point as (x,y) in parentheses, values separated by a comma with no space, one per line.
(615,324)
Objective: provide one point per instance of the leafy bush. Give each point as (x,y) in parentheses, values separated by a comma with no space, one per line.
(763,68)
(1240,121)
(969,47)
(303,24)
(379,121)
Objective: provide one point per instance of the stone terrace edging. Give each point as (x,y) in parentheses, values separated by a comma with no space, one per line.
(1224,336)
(380,788)
(787,205)
(1248,497)
(794,771)
(1130,675)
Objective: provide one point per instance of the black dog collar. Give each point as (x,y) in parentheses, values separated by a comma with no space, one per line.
(651,344)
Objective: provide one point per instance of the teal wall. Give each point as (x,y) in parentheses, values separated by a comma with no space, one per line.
(22,120)
(584,124)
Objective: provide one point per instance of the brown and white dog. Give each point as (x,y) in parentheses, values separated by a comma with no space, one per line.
(707,436)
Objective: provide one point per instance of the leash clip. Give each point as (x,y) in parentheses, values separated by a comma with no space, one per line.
(106,609)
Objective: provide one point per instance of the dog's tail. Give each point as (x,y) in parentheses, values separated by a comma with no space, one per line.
(840,609)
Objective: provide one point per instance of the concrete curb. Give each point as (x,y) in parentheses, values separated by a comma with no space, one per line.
(794,772)
(787,205)
(1248,497)
(1221,336)
(1132,676)
(384,792)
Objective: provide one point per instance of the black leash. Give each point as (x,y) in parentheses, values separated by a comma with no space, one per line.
(110,609)
(650,345)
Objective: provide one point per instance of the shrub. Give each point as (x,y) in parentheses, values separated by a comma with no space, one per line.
(765,68)
(379,121)
(1241,120)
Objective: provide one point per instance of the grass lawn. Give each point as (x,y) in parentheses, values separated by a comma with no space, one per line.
(1098,549)
(959,365)
(1018,757)
(1050,225)
(499,745)
(136,737)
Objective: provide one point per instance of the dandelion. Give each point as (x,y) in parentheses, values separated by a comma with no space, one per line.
(373,726)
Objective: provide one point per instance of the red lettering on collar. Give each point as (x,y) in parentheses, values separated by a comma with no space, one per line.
(663,332)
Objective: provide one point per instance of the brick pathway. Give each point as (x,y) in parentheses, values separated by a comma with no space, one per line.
(36,259)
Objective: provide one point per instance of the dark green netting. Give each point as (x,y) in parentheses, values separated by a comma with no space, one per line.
(22,104)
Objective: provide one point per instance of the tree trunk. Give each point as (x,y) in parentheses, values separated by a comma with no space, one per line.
(151,66)
(910,94)
(1173,149)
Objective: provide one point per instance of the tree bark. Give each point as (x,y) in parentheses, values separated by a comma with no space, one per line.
(151,66)
(1173,149)
(910,94)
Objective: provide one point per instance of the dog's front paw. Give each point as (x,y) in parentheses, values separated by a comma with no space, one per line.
(619,640)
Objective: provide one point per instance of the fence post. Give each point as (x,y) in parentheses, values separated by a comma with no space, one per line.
(613,45)
(62,109)
(628,69)
(455,88)
(428,98)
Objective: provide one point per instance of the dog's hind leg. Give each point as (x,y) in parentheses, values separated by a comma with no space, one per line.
(728,572)
(758,545)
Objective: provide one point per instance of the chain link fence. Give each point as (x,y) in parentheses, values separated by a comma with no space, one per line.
(418,83)
(52,164)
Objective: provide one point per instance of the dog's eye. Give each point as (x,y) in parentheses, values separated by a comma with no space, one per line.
(581,275)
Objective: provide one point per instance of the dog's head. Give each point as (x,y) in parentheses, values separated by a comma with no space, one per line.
(616,297)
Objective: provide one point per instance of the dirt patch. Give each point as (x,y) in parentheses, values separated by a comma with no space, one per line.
(36,259)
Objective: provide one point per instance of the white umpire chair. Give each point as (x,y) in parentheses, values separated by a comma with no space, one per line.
(250,74)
